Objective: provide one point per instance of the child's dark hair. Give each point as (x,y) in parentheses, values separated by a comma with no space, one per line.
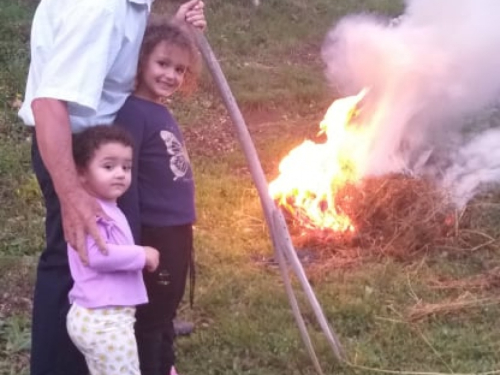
(86,143)
(160,29)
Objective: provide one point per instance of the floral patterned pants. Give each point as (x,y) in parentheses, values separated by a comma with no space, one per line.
(106,338)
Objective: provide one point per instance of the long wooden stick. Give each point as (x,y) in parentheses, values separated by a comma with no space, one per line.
(280,236)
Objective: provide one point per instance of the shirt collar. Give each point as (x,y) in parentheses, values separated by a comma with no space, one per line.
(143,2)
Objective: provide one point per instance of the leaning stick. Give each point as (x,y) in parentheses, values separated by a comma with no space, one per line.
(280,236)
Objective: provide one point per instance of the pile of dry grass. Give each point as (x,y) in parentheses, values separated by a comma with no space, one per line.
(449,306)
(393,215)
(487,280)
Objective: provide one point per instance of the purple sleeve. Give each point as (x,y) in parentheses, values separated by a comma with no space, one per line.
(119,257)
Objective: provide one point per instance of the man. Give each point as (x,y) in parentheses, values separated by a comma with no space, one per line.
(83,62)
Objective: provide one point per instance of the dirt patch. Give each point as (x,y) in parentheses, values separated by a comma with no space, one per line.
(255,118)
(16,280)
(216,135)
(212,137)
(308,54)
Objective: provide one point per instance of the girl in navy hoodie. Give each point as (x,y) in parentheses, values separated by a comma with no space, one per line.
(160,204)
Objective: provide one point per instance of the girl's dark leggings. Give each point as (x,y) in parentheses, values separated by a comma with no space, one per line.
(154,327)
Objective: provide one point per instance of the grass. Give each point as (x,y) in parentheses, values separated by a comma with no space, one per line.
(270,56)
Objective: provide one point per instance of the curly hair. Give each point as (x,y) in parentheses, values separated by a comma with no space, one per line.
(86,143)
(158,30)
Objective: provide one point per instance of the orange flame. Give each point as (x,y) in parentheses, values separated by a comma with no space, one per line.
(312,174)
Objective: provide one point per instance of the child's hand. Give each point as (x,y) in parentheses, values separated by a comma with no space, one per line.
(152,258)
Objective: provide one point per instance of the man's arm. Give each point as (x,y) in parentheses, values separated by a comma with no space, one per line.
(78,208)
(75,56)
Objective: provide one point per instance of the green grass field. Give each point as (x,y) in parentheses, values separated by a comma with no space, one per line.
(436,313)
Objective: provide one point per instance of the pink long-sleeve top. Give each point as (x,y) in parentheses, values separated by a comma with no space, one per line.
(114,279)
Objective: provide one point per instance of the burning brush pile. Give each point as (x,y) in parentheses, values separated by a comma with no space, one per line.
(335,210)
(405,159)
(394,215)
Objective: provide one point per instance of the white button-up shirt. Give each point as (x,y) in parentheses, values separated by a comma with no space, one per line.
(85,52)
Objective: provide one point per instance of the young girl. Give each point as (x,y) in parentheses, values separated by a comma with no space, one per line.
(106,290)
(160,204)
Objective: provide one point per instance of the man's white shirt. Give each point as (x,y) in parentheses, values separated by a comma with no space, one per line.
(85,53)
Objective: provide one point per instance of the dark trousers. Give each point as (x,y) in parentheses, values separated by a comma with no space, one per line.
(52,352)
(154,328)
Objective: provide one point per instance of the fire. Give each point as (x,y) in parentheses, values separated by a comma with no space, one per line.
(312,174)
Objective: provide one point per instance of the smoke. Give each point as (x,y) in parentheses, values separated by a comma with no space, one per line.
(430,74)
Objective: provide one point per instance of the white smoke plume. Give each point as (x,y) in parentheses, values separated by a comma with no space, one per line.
(428,75)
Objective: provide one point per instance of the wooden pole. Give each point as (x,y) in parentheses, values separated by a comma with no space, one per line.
(280,236)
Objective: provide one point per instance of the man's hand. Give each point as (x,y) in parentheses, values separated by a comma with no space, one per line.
(192,13)
(78,208)
(152,258)
(79,211)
